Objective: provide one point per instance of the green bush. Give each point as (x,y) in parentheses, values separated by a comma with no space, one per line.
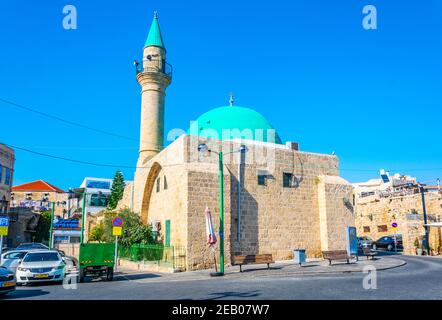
(134,231)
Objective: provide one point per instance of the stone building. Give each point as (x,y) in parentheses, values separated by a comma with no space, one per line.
(377,209)
(288,198)
(39,196)
(7,160)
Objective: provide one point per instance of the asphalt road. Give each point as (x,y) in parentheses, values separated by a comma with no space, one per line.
(420,278)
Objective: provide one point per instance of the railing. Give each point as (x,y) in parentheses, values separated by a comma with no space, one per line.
(167,69)
(170,256)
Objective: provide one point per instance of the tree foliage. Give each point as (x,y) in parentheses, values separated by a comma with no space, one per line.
(134,231)
(43,227)
(97,232)
(117,190)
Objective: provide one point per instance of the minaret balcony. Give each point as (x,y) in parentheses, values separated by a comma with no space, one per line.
(166,69)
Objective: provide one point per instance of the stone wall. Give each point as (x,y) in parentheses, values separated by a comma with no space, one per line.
(336,211)
(274,219)
(375,216)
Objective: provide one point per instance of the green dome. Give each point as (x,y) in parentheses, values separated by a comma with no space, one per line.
(244,123)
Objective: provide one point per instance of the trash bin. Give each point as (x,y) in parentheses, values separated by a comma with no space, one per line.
(299,256)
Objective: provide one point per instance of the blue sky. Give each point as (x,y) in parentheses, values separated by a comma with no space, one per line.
(374,97)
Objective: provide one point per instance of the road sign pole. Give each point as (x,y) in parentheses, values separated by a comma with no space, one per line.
(1,249)
(395,245)
(116,254)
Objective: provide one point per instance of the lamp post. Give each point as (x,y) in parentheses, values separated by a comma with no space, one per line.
(51,231)
(83,213)
(427,238)
(204,148)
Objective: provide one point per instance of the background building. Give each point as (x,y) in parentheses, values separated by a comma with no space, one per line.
(98,191)
(388,199)
(7,160)
(39,196)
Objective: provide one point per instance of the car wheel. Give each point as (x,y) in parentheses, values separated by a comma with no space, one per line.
(390,247)
(374,247)
(110,274)
(81,276)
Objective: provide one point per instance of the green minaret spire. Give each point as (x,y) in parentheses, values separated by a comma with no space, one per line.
(154,38)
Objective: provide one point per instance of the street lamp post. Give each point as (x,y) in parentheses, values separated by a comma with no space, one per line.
(51,230)
(221,213)
(83,212)
(204,148)
(427,238)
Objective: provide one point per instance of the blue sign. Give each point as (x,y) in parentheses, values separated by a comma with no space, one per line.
(66,224)
(4,221)
(352,241)
(97,184)
(117,222)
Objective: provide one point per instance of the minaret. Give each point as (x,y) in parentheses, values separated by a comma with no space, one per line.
(154,75)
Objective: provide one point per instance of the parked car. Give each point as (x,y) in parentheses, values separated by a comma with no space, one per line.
(6,249)
(31,246)
(41,265)
(7,281)
(388,242)
(12,259)
(36,246)
(364,242)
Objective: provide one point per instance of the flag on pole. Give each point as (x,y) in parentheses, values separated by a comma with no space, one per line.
(211,238)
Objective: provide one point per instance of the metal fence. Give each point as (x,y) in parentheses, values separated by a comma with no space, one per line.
(169,256)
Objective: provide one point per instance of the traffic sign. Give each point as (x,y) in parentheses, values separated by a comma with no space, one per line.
(117,222)
(4,225)
(117,231)
(3,231)
(4,221)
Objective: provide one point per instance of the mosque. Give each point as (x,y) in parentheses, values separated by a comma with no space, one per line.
(276,197)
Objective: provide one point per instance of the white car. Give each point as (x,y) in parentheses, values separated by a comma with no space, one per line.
(41,266)
(12,259)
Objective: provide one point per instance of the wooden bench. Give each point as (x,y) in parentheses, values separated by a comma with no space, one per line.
(337,255)
(253,259)
(369,253)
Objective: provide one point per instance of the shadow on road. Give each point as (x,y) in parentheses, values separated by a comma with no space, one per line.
(258,269)
(138,276)
(381,253)
(17,294)
(231,294)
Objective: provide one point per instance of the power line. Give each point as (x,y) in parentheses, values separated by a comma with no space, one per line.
(71,160)
(82,161)
(136,167)
(72,123)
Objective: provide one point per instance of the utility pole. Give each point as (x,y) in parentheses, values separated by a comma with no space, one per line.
(51,231)
(421,188)
(83,213)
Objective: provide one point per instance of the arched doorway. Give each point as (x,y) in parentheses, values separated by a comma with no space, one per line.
(150,183)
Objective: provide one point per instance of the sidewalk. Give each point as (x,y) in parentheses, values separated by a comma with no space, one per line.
(279,269)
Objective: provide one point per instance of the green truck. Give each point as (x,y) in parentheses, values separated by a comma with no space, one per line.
(96,260)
